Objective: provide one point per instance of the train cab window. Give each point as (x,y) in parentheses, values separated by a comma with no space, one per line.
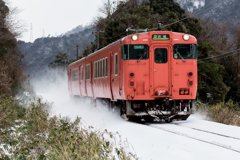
(185,51)
(135,51)
(75,75)
(160,55)
(116,64)
(106,67)
(82,73)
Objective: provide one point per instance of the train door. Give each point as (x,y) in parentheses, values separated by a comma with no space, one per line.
(92,77)
(115,75)
(85,78)
(79,75)
(70,81)
(111,75)
(82,82)
(120,72)
(161,70)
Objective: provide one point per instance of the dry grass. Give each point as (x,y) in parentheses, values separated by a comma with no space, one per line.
(224,112)
(36,135)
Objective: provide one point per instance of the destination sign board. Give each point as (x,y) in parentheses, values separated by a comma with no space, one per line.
(160,37)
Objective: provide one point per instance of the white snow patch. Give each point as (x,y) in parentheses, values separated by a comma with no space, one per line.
(147,142)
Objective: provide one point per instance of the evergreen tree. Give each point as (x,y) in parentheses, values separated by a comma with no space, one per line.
(232,70)
(211,88)
(145,15)
(61,61)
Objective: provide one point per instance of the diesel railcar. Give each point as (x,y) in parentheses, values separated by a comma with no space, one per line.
(149,75)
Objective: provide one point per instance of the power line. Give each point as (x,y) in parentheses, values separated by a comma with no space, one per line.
(203,60)
(197,13)
(43,33)
(111,37)
(219,55)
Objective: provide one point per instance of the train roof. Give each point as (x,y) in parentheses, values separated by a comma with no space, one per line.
(100,49)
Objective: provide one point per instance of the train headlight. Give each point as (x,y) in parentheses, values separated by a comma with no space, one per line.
(134,37)
(186,37)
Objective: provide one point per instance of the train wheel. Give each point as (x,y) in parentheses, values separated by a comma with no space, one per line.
(94,102)
(123,110)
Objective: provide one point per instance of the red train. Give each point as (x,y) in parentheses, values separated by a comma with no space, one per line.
(149,75)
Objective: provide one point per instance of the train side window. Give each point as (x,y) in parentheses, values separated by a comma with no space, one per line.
(95,70)
(75,75)
(103,67)
(82,73)
(116,64)
(160,55)
(88,72)
(98,69)
(106,67)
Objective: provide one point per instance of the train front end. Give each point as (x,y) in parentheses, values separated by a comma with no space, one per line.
(160,75)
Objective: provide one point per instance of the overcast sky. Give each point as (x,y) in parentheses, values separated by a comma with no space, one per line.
(54,16)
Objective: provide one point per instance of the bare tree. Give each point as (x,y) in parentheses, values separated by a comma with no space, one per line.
(108,7)
(13,22)
(10,60)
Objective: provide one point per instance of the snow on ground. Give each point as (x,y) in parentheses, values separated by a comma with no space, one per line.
(149,142)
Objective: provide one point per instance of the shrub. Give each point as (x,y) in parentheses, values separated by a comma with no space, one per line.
(10,111)
(224,112)
(37,135)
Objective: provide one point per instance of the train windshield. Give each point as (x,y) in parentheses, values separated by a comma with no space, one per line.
(135,51)
(185,51)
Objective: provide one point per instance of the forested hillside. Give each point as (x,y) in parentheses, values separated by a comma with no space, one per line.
(221,11)
(42,51)
(191,5)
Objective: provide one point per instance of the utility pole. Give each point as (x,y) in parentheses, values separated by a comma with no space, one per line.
(77,52)
(43,33)
(98,37)
(31,34)
(98,41)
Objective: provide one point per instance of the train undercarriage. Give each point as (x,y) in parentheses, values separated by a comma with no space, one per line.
(153,110)
(157,110)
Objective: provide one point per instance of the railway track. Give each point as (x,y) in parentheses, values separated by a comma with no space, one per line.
(218,144)
(210,132)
